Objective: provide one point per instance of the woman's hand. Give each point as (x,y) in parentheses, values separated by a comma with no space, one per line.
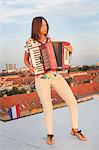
(26,61)
(69,48)
(31,69)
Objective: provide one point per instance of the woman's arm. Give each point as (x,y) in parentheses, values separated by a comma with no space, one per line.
(26,59)
(27,63)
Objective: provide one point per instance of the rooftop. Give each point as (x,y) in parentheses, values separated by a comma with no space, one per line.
(29,133)
(30,103)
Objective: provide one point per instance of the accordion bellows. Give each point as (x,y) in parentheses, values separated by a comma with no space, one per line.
(50,56)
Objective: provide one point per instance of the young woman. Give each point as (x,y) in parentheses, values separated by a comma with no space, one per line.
(44,82)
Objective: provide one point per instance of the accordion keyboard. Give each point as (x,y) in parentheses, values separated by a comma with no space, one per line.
(36,60)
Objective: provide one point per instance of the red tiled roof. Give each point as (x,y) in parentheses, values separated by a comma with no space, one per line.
(87,88)
(92,71)
(83,78)
(32,100)
(21,80)
(29,100)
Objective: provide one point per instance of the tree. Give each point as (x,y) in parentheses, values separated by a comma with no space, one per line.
(15,91)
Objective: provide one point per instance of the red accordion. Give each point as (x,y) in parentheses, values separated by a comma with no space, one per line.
(62,54)
(50,56)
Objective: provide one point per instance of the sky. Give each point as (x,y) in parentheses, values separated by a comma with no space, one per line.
(75,21)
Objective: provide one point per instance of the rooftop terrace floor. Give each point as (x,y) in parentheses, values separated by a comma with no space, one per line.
(29,133)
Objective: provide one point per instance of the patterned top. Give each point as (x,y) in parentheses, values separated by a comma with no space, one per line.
(33,43)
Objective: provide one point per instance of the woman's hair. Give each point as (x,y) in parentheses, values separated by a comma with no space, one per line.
(36,26)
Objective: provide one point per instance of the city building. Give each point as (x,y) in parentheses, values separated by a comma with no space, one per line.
(10,67)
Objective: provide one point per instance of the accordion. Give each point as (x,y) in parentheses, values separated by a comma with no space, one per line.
(50,56)
(62,55)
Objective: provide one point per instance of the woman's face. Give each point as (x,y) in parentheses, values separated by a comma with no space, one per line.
(43,30)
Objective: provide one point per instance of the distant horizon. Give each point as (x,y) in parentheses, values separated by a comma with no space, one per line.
(20,66)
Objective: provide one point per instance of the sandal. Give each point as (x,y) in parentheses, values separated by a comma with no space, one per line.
(50,139)
(78,134)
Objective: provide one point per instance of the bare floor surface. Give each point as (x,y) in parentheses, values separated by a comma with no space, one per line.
(29,133)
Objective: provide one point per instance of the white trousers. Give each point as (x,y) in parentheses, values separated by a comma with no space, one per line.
(43,87)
